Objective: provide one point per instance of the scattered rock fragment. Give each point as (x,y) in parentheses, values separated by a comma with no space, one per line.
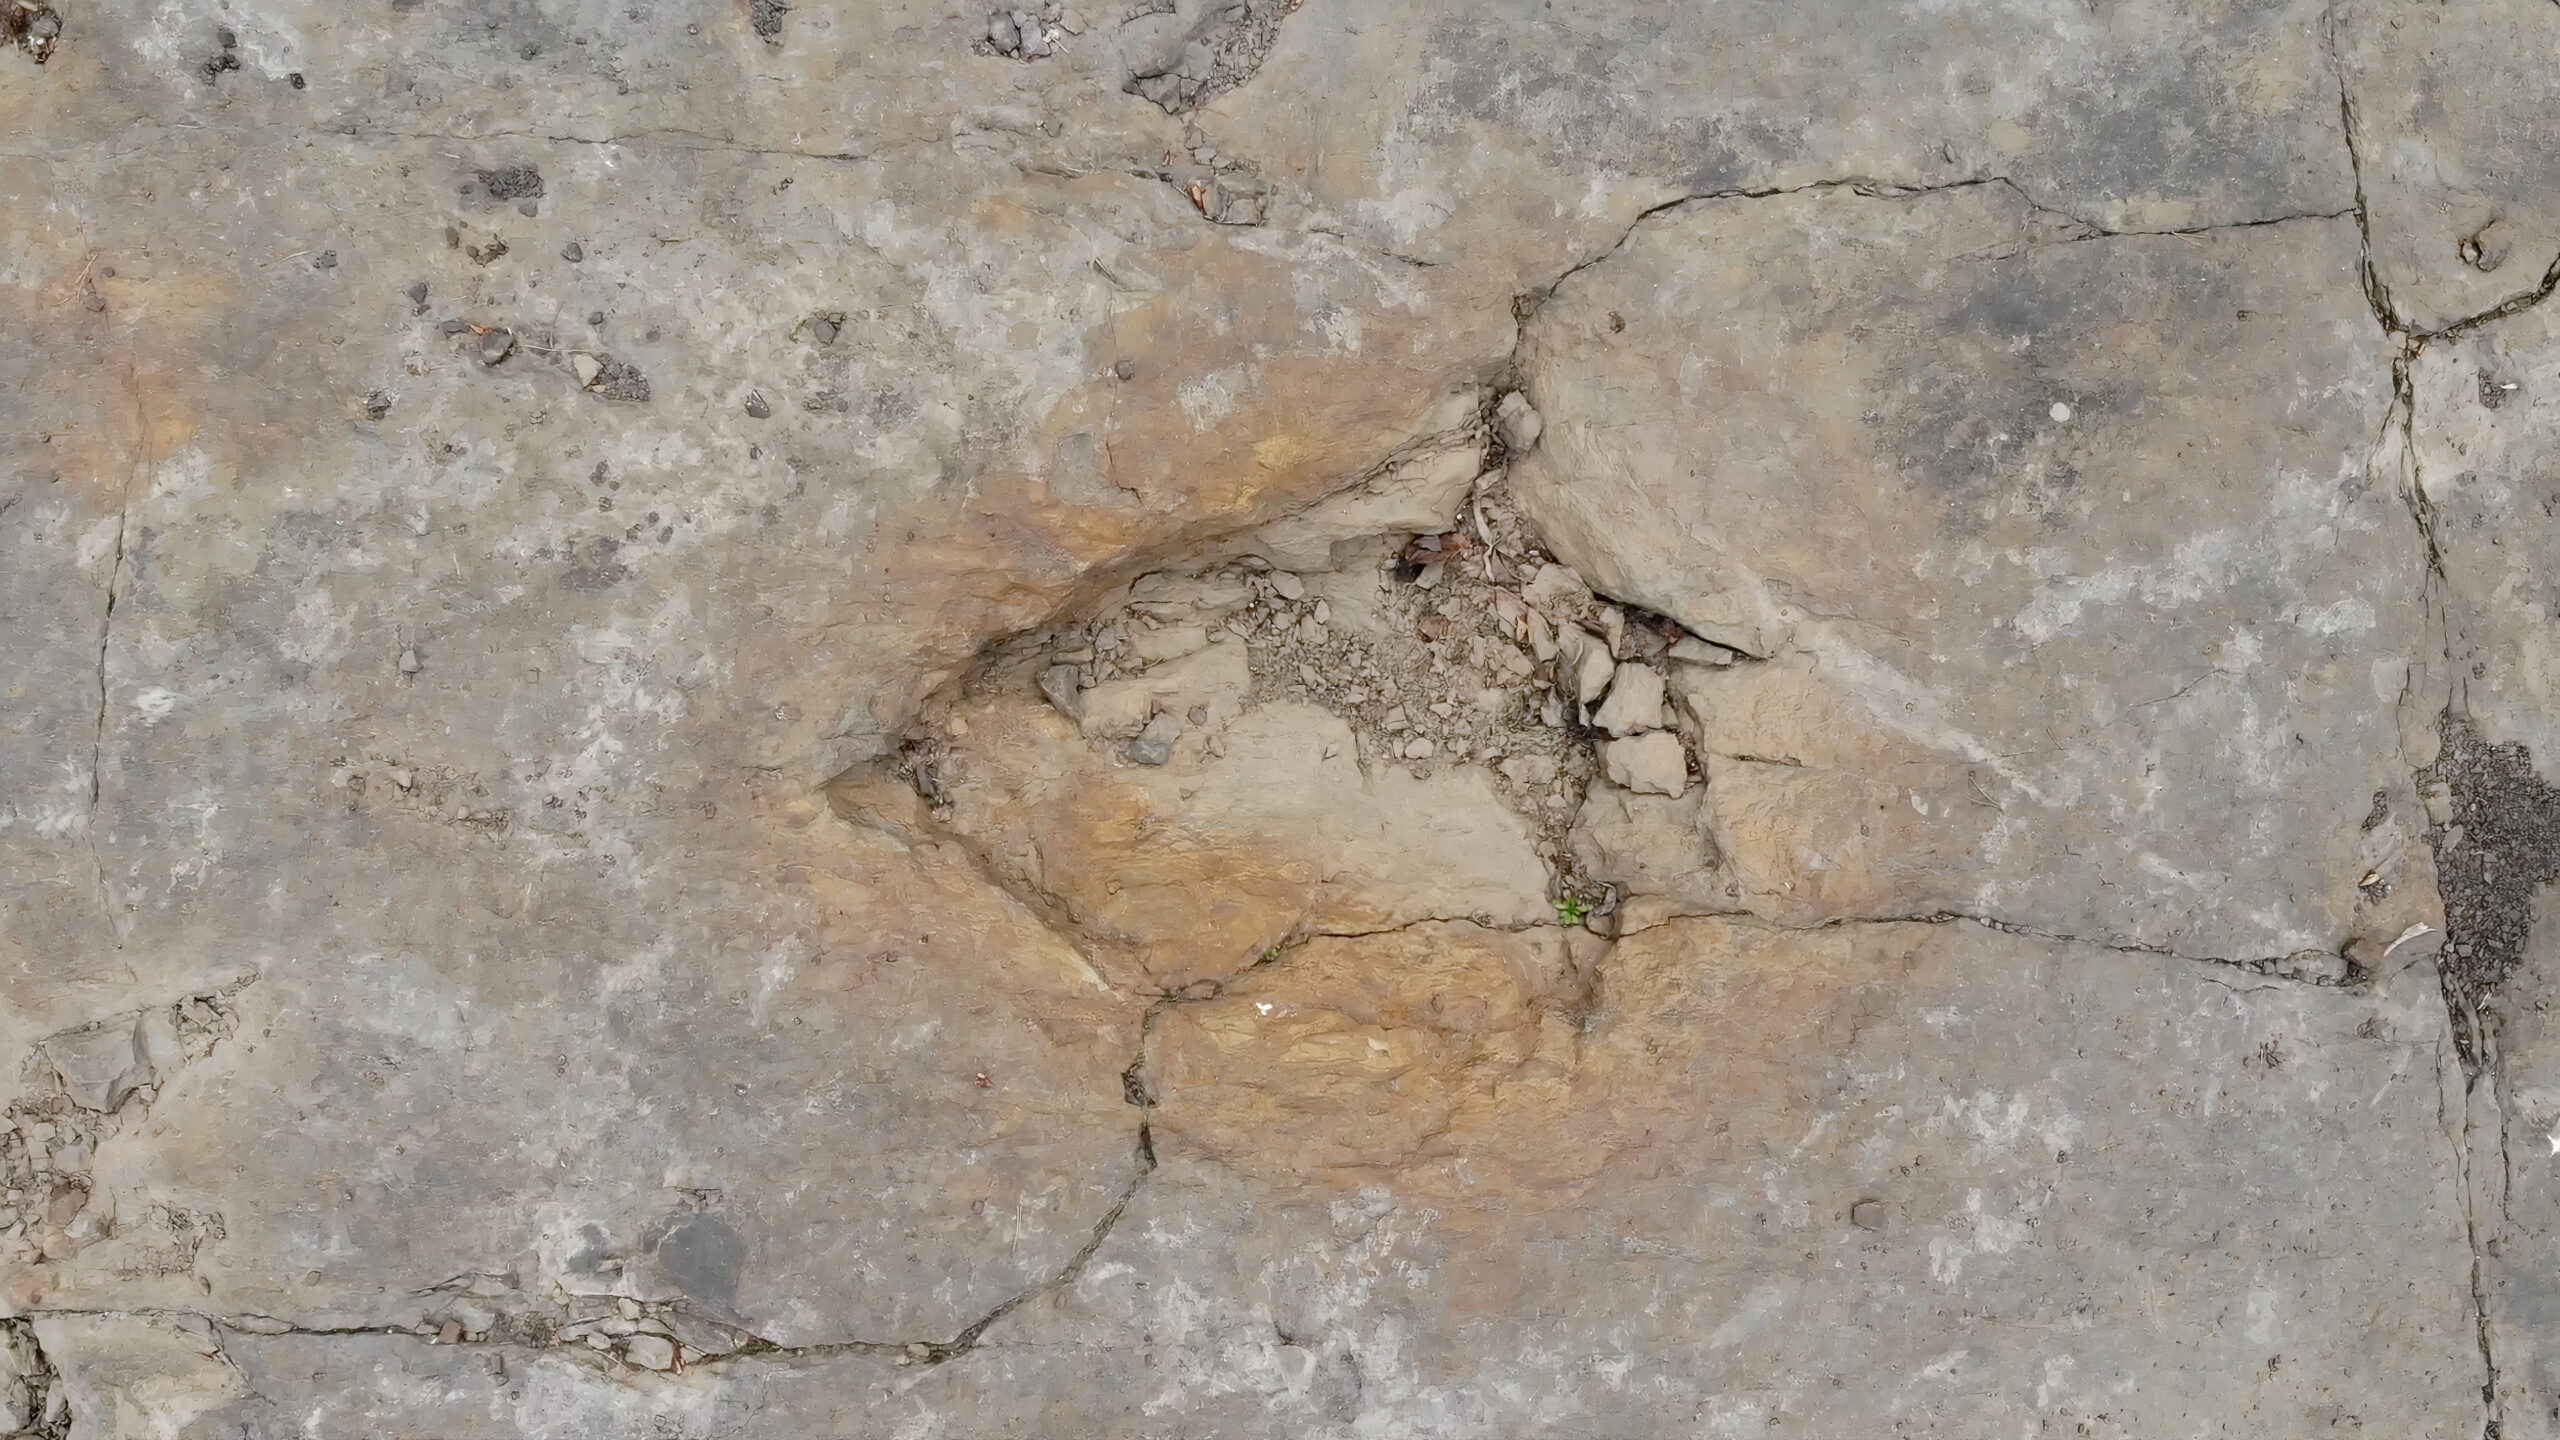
(512,182)
(620,380)
(1154,744)
(650,1352)
(1634,705)
(1518,423)
(1022,34)
(586,368)
(2487,248)
(99,1066)
(1588,662)
(496,346)
(35,28)
(1059,685)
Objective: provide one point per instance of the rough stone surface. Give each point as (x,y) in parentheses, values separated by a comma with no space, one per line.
(1565,717)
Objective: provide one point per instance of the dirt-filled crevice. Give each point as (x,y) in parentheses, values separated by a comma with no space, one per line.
(2496,833)
(34,1404)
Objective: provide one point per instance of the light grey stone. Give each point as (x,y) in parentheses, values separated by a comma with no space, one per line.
(1650,764)
(1635,700)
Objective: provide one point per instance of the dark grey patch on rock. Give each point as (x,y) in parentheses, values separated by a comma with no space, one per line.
(2496,390)
(377,405)
(757,406)
(890,408)
(765,17)
(512,182)
(701,1253)
(2502,844)
(601,570)
(1059,685)
(620,380)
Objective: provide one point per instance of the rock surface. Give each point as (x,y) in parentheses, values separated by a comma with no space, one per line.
(1582,718)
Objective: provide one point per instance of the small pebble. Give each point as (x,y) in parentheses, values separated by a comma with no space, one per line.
(409,662)
(2061,413)
(453,327)
(496,346)
(1126,369)
(528,207)
(573,252)
(824,331)
(757,408)
(418,293)
(586,368)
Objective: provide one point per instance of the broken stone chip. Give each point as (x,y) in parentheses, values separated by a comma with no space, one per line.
(1635,701)
(99,1067)
(1518,423)
(1154,745)
(1588,663)
(1649,764)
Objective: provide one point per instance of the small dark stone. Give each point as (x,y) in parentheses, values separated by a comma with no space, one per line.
(573,252)
(377,405)
(295,80)
(418,293)
(453,327)
(757,408)
(1126,369)
(325,260)
(1869,1215)
(824,330)
(595,317)
(528,208)
(226,39)
(1058,685)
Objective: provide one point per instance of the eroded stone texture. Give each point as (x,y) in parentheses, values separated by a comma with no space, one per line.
(792,720)
(2053,579)
(1792,1161)
(2452,109)
(2484,440)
